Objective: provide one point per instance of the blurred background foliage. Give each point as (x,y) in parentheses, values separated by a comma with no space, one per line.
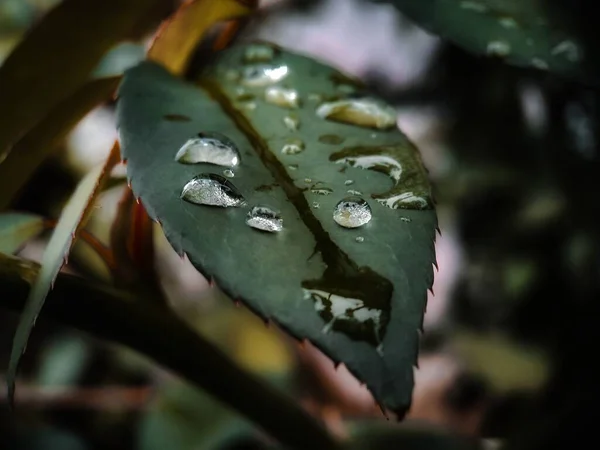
(510,334)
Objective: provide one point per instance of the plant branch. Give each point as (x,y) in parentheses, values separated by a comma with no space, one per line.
(160,335)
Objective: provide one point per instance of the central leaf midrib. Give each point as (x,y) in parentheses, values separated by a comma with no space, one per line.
(334,257)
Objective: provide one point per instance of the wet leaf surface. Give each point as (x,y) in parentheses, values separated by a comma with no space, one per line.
(358,293)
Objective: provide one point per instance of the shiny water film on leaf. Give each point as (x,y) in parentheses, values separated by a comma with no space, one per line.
(357,293)
(212,148)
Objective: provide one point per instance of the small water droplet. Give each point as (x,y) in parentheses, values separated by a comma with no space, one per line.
(228,173)
(263,74)
(348,182)
(331,139)
(265,219)
(473,6)
(258,53)
(353,192)
(352,212)
(293,147)
(364,112)
(316,205)
(210,148)
(405,219)
(508,22)
(360,239)
(280,96)
(291,122)
(498,48)
(321,190)
(539,63)
(293,167)
(308,180)
(569,49)
(213,190)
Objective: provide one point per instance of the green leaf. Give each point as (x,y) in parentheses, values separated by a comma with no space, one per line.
(57,56)
(72,219)
(16,229)
(378,274)
(523,33)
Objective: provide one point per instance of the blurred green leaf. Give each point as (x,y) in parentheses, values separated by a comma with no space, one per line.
(359,294)
(523,33)
(31,150)
(18,228)
(72,219)
(57,56)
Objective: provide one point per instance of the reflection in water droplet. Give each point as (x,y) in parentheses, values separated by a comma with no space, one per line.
(316,205)
(364,112)
(213,190)
(321,190)
(352,212)
(265,219)
(405,219)
(280,96)
(331,139)
(498,48)
(228,173)
(353,192)
(263,74)
(291,122)
(348,182)
(210,148)
(402,163)
(293,147)
(259,53)
(359,239)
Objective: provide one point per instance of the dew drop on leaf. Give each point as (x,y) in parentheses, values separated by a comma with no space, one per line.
(255,53)
(293,147)
(316,205)
(265,219)
(321,190)
(348,182)
(280,96)
(498,48)
(212,189)
(364,112)
(259,75)
(354,192)
(352,212)
(228,173)
(210,148)
(291,122)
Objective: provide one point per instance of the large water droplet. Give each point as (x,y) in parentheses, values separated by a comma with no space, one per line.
(210,148)
(364,112)
(265,219)
(213,190)
(352,212)
(291,122)
(264,74)
(293,147)
(402,163)
(259,53)
(280,96)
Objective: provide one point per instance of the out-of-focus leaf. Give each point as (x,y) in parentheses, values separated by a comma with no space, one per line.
(119,59)
(358,294)
(16,229)
(57,56)
(72,219)
(63,361)
(27,154)
(176,40)
(523,33)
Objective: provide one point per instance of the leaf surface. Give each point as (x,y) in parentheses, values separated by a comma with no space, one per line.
(16,229)
(359,294)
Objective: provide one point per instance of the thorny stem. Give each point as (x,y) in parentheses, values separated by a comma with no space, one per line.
(160,335)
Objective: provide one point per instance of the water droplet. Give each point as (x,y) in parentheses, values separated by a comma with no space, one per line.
(348,182)
(569,49)
(265,219)
(359,239)
(316,205)
(405,219)
(473,6)
(331,139)
(353,192)
(210,148)
(293,167)
(291,122)
(498,48)
(539,63)
(213,190)
(352,212)
(508,22)
(263,74)
(293,147)
(228,173)
(321,190)
(364,112)
(280,96)
(259,53)
(308,180)
(402,163)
